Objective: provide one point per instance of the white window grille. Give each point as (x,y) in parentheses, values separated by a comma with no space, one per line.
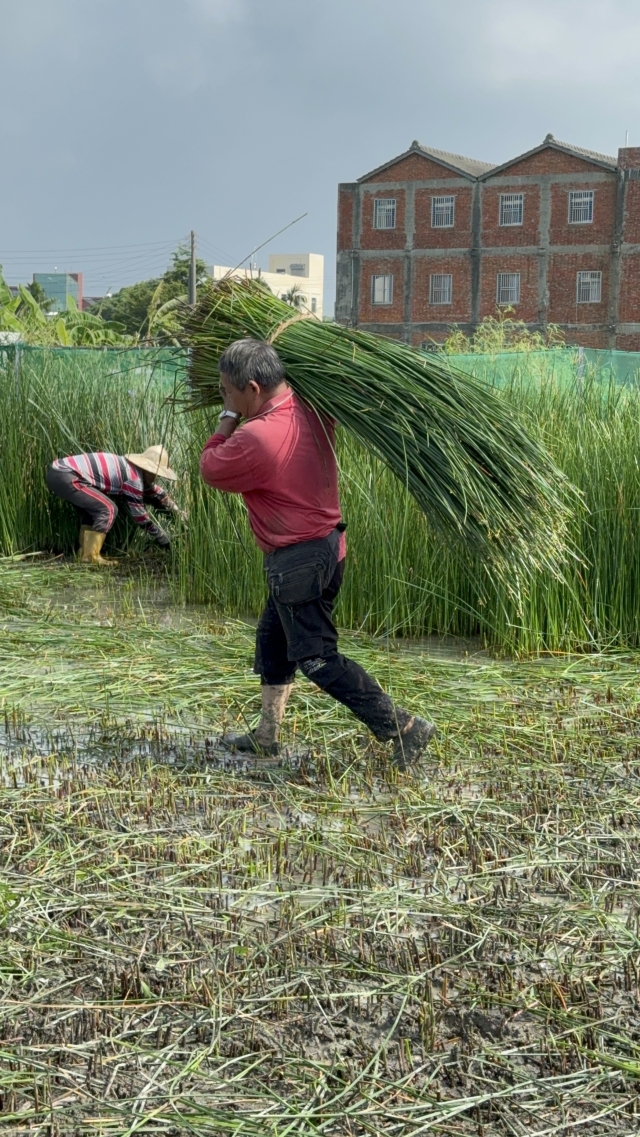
(382,289)
(580,207)
(511,208)
(508,288)
(296,270)
(440,288)
(384,213)
(589,287)
(442,212)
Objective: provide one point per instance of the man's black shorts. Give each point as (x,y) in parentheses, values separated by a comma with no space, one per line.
(297,622)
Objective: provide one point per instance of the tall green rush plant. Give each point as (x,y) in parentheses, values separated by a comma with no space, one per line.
(402,577)
(485,483)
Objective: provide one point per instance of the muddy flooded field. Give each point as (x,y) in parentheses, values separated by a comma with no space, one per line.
(191,943)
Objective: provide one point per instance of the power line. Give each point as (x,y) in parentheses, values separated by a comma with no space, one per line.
(84,266)
(96,248)
(105,258)
(214,250)
(270,239)
(99,264)
(107,265)
(103,266)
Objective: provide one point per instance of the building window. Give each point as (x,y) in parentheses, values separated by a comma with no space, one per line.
(382,289)
(508,288)
(511,208)
(281,270)
(581,207)
(314,304)
(589,287)
(296,270)
(440,288)
(384,213)
(442,212)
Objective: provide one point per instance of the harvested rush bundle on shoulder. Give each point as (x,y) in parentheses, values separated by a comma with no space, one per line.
(470,463)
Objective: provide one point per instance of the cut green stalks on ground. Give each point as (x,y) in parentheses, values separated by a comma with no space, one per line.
(333,950)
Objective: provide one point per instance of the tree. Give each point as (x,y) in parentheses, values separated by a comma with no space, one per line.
(295,297)
(39,295)
(23,315)
(177,277)
(137,306)
(129,307)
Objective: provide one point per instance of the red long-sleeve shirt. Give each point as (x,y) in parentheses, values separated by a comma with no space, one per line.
(283,463)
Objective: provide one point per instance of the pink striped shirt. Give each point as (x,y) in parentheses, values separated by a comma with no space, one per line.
(112,474)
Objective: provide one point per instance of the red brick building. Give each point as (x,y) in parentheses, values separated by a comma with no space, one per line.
(432,239)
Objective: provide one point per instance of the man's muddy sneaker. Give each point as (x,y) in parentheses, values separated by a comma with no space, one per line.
(408,746)
(248,744)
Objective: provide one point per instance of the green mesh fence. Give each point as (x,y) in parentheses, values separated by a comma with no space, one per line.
(125,368)
(563,365)
(165,367)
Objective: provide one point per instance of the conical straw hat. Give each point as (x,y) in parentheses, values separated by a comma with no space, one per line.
(156,460)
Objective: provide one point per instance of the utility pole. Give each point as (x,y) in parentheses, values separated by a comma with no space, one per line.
(192,271)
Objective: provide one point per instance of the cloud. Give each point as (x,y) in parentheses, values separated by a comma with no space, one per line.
(129,94)
(218,11)
(181,71)
(34,25)
(194,56)
(558,42)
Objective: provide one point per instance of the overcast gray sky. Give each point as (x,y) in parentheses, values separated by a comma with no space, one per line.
(126,123)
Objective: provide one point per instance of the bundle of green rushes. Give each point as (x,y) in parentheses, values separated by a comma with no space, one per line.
(482,480)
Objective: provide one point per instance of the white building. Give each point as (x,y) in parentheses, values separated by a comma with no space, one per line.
(295,277)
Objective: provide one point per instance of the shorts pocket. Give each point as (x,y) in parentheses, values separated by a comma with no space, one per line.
(296,585)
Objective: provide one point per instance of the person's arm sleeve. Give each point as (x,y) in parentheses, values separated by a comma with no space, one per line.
(227,464)
(141,518)
(161,500)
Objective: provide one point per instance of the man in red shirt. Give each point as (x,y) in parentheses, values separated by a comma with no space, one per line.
(283,463)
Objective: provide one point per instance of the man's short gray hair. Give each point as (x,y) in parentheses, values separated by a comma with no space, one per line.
(252,359)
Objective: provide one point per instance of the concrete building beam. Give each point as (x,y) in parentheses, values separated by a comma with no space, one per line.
(614,282)
(438,184)
(398,331)
(544,230)
(494,251)
(557,179)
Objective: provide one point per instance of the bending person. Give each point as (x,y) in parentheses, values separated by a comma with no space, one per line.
(283,463)
(90,481)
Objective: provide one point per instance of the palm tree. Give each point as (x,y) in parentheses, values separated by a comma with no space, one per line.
(295,296)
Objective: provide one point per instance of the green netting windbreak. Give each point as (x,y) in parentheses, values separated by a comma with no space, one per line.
(135,366)
(562,365)
(59,401)
(620,366)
